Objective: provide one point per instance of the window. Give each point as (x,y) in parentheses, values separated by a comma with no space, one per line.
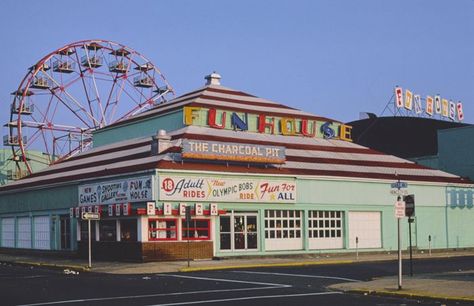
(84,232)
(128,230)
(199,229)
(325,224)
(282,224)
(225,232)
(162,229)
(108,230)
(325,229)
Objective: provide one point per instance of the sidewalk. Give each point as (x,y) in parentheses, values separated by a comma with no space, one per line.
(203,265)
(454,286)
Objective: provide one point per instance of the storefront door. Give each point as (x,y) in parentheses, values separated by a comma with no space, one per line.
(238,232)
(65,223)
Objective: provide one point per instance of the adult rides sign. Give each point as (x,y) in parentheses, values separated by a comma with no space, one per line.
(433,105)
(218,189)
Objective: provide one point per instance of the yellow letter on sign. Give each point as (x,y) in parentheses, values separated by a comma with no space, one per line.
(190,113)
(288,126)
(345,132)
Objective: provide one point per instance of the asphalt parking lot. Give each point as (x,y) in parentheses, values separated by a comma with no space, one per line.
(22,285)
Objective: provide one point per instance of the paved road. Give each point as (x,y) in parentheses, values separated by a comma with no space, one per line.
(270,286)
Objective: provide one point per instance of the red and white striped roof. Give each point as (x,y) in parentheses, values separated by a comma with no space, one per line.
(315,157)
(216,96)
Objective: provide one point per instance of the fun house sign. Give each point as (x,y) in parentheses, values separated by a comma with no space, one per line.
(265,124)
(214,189)
(434,105)
(127,190)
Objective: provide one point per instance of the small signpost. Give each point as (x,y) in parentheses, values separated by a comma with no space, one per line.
(399,214)
(90,216)
(188,220)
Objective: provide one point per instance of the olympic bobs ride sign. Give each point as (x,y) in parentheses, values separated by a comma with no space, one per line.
(217,189)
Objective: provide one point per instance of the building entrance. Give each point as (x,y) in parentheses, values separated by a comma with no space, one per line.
(239,232)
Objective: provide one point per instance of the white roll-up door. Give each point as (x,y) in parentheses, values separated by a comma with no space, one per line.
(366,226)
(8,233)
(42,238)
(24,233)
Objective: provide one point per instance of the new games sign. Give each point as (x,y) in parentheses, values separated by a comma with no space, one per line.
(127,190)
(213,189)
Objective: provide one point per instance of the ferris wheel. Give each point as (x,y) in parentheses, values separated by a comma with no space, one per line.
(74,90)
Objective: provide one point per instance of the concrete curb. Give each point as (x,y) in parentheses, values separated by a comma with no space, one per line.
(410,295)
(48,265)
(268,265)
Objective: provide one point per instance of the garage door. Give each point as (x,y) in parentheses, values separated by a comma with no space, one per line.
(8,232)
(24,233)
(365,226)
(283,230)
(42,233)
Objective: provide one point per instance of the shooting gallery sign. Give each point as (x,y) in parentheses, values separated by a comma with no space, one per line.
(180,188)
(214,150)
(127,190)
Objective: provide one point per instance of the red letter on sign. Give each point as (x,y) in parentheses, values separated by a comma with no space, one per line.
(212,119)
(263,124)
(304,128)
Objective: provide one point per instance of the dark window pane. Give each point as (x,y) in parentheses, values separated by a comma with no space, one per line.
(128,230)
(252,241)
(108,230)
(225,224)
(225,241)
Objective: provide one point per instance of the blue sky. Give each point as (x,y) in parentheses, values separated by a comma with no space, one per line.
(332,58)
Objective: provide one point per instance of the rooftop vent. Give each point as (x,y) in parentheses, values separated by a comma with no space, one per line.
(160,142)
(213,79)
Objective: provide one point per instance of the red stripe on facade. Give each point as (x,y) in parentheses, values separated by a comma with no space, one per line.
(256,169)
(268,113)
(73,178)
(274,143)
(91,164)
(250,103)
(352,162)
(230,92)
(292,171)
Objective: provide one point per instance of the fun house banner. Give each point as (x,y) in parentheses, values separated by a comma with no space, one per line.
(213,189)
(127,190)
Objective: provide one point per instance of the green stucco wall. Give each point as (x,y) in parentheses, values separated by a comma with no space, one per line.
(444,213)
(455,151)
(39,200)
(146,127)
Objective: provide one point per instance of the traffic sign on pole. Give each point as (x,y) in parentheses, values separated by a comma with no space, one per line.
(399,209)
(90,216)
(399,192)
(399,185)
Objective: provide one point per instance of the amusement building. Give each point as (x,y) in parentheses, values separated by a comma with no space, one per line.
(257,177)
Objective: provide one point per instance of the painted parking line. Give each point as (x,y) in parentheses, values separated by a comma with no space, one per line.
(230,280)
(265,286)
(300,275)
(246,298)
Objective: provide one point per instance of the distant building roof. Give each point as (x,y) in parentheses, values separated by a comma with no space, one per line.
(404,137)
